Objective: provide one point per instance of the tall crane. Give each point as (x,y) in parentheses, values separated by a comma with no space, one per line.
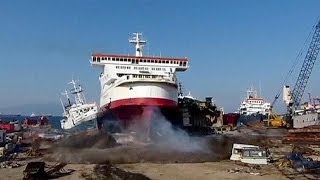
(293,98)
(306,70)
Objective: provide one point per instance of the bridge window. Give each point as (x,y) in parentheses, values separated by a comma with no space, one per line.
(184,63)
(152,61)
(121,59)
(93,59)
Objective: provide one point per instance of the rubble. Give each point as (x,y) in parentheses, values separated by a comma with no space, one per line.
(9,164)
(39,170)
(309,135)
(303,164)
(109,171)
(249,170)
(99,147)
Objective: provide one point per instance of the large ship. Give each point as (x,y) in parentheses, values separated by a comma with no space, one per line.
(253,108)
(80,115)
(134,88)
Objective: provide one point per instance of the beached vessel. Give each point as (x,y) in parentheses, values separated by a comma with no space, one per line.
(253,108)
(136,87)
(79,115)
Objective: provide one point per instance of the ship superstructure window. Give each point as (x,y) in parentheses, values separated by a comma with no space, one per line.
(123,67)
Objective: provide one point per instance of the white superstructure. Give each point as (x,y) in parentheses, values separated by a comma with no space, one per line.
(80,112)
(253,104)
(138,80)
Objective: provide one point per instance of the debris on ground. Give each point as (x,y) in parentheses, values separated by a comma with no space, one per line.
(34,150)
(249,170)
(303,164)
(39,170)
(306,150)
(109,171)
(309,135)
(9,164)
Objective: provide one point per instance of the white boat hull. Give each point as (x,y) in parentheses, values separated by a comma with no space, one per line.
(139,90)
(88,122)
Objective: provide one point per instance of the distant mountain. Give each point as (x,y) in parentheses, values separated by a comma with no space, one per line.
(28,109)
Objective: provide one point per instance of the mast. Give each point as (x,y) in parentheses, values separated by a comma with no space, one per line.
(77,91)
(138,42)
(63,107)
(67,96)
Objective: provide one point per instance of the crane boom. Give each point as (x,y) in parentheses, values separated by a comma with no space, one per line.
(307,67)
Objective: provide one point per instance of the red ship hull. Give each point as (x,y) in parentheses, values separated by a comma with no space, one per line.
(138,113)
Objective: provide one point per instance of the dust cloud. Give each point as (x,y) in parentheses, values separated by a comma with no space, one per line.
(167,144)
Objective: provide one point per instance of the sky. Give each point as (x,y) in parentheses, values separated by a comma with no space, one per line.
(231,45)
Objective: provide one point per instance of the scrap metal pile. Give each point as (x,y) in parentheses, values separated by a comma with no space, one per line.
(199,115)
(308,135)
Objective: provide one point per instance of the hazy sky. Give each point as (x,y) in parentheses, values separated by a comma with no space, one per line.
(231,44)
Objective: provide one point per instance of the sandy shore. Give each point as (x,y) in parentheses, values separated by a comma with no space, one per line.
(208,170)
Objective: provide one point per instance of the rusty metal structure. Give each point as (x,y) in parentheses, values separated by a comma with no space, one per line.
(309,135)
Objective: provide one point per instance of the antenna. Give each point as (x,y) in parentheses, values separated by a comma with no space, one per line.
(77,91)
(260,91)
(139,43)
(64,109)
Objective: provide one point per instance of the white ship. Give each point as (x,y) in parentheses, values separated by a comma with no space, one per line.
(79,115)
(254,104)
(135,87)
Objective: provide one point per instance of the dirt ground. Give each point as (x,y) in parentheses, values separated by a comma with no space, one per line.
(161,161)
(208,170)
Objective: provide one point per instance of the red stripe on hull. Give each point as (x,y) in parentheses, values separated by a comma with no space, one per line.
(159,102)
(138,110)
